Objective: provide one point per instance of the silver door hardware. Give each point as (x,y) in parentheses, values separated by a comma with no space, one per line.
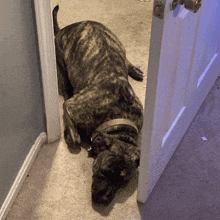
(191,5)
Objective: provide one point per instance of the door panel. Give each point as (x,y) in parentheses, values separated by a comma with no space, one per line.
(181,72)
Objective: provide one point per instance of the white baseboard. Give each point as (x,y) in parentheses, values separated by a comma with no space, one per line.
(22,175)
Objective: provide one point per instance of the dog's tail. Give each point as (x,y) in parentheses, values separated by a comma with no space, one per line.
(55,23)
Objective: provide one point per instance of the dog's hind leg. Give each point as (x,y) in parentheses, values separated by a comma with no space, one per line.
(134,72)
(64,85)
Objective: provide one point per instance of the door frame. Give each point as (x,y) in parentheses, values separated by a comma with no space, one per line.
(45,33)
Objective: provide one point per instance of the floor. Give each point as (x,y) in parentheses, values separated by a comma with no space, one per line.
(58,184)
(189,186)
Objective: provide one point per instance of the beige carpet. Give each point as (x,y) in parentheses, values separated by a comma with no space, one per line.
(59,183)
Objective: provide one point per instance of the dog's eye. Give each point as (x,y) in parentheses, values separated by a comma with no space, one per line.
(99,139)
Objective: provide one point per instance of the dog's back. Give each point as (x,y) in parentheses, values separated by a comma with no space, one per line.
(89,49)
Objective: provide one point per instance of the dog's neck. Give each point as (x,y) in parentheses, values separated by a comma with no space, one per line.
(116,122)
(120,129)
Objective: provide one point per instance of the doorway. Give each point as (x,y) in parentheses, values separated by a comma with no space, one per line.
(131,22)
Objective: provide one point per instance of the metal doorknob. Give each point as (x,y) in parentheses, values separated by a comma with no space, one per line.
(191,5)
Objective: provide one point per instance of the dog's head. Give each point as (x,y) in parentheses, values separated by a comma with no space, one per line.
(101,141)
(111,171)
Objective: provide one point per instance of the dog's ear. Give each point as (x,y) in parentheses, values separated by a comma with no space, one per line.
(100,139)
(99,144)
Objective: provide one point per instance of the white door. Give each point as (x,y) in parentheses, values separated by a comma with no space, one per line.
(184,63)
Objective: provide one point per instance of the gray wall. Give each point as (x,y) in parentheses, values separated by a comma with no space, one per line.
(22,116)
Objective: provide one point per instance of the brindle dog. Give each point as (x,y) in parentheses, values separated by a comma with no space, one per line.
(93,78)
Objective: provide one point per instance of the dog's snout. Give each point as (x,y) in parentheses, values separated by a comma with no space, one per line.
(102,192)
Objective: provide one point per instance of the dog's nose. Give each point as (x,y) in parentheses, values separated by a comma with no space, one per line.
(102,192)
(102,200)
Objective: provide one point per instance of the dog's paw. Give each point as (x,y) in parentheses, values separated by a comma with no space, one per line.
(135,73)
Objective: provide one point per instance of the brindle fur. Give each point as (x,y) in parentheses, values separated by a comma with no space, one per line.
(93,78)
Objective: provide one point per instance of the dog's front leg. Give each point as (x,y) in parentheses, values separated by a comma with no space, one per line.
(71,134)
